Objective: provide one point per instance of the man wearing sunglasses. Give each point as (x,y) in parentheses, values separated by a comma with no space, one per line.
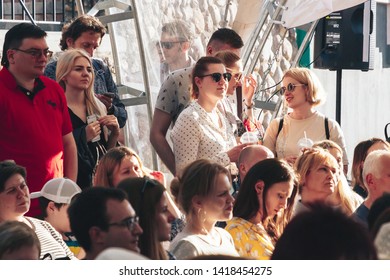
(36,131)
(86,32)
(175,44)
(101,218)
(174,95)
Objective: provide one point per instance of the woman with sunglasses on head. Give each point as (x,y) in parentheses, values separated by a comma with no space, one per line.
(151,206)
(94,131)
(203,193)
(263,207)
(302,93)
(202,131)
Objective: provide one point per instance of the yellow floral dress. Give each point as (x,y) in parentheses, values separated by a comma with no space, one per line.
(250,240)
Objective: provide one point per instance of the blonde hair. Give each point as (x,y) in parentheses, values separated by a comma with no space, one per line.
(343,192)
(316,93)
(64,67)
(311,159)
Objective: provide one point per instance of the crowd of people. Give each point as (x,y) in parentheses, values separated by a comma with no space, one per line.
(69,189)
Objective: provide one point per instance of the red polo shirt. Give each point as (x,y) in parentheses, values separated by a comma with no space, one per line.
(32,125)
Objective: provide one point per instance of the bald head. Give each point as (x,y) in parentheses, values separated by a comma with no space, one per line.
(251,155)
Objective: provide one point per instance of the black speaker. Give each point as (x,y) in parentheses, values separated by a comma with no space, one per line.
(346,39)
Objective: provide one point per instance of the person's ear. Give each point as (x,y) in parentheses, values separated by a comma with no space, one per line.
(197,202)
(209,51)
(185,46)
(242,168)
(370,182)
(198,82)
(69,42)
(259,187)
(96,235)
(10,56)
(51,207)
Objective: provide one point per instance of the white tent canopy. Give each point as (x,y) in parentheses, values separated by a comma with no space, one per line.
(300,12)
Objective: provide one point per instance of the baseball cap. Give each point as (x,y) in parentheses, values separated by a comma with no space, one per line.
(59,190)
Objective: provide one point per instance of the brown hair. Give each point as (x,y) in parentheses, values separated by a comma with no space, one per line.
(198,178)
(78,26)
(200,68)
(247,205)
(359,156)
(109,162)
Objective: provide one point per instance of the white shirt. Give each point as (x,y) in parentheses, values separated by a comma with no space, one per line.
(196,136)
(186,245)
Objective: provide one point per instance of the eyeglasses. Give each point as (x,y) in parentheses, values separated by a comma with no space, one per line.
(36,52)
(217,76)
(169,45)
(290,87)
(128,222)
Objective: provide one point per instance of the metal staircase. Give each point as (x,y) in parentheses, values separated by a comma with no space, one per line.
(269,98)
(129,96)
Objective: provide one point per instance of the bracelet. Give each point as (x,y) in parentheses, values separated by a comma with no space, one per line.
(250,106)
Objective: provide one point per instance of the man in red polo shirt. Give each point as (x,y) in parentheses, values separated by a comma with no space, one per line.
(36,131)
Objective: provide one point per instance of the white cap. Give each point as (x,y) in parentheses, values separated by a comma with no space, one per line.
(59,190)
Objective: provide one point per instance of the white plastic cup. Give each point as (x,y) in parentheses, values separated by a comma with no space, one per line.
(249,137)
(304,143)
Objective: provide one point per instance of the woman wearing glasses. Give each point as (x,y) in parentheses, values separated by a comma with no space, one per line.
(202,131)
(302,93)
(151,206)
(203,193)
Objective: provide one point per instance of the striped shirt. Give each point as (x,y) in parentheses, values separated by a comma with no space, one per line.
(52,245)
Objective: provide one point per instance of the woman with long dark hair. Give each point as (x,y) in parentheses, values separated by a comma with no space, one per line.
(263,207)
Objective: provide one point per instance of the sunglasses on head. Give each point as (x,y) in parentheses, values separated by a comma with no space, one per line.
(218,76)
(290,87)
(169,45)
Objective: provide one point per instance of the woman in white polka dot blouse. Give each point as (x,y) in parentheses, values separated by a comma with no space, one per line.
(202,131)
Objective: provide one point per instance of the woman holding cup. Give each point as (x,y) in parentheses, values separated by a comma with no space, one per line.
(302,93)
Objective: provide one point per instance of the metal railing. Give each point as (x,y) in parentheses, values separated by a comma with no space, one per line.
(49,14)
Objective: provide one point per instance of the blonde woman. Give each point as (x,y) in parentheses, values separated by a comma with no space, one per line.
(319,175)
(94,131)
(302,93)
(203,193)
(343,196)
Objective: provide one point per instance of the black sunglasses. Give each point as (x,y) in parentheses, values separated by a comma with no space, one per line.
(290,87)
(217,76)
